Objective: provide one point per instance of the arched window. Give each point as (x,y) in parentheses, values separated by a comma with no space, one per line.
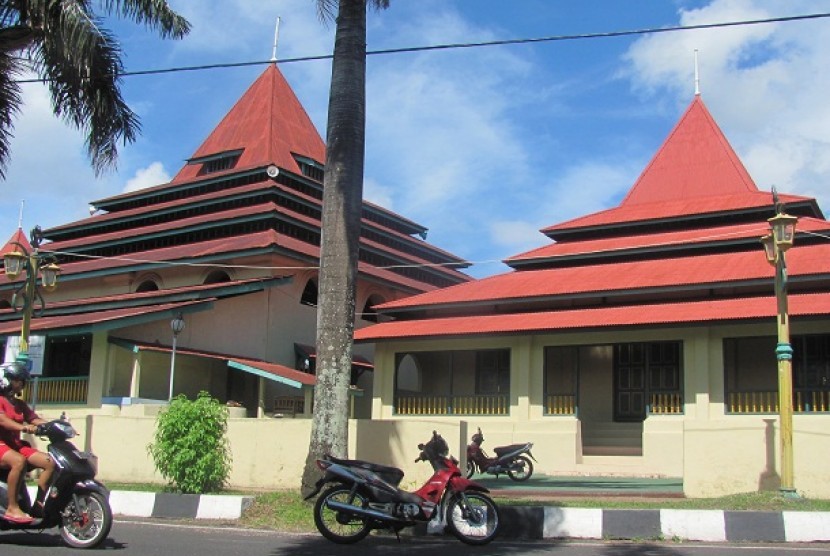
(309,296)
(408,377)
(147,286)
(217,277)
(369,312)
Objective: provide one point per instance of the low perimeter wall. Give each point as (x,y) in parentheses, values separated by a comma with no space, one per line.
(713,458)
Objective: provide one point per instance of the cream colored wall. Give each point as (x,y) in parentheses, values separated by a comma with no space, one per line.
(718,457)
(715,453)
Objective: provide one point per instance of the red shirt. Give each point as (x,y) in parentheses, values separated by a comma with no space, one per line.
(18,411)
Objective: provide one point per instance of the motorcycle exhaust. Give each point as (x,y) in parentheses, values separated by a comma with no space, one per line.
(364,512)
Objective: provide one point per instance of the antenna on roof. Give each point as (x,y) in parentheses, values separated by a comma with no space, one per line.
(697,77)
(276,40)
(20,215)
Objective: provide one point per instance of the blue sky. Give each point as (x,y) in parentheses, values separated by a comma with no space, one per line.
(484,146)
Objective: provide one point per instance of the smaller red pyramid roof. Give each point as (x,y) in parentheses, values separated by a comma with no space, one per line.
(17,237)
(268,124)
(695,171)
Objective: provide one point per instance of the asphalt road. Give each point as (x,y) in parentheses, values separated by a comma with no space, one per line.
(133,538)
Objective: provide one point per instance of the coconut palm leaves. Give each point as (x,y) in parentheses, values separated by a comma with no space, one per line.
(65,43)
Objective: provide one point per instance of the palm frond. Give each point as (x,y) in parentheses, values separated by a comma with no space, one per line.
(156,14)
(327,9)
(9,105)
(82,62)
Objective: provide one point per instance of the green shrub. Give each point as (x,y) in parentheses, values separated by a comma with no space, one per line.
(190,449)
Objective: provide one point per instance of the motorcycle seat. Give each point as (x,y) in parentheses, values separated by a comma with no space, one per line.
(502,450)
(391,475)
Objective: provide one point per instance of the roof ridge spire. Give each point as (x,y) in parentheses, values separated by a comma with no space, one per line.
(276,40)
(697,76)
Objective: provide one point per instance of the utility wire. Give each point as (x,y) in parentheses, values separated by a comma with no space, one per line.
(451,46)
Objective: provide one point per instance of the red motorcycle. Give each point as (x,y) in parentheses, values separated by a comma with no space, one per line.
(509,459)
(365,496)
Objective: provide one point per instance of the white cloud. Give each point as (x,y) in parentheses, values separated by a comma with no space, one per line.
(154,174)
(48,168)
(766,86)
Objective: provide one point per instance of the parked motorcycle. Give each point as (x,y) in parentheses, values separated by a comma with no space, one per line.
(365,496)
(75,502)
(509,459)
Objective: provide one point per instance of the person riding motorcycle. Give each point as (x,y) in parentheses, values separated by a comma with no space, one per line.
(16,417)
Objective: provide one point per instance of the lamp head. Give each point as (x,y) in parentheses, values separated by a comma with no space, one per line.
(769,248)
(49,276)
(783,230)
(13,262)
(177,324)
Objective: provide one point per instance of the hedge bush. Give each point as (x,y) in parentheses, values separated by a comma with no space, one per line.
(190,448)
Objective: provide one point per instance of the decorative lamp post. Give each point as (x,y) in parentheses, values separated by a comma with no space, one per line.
(776,243)
(176,325)
(22,261)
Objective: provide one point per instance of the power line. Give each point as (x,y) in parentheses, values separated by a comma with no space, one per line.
(451,46)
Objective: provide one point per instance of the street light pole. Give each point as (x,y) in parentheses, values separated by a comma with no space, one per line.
(176,325)
(775,245)
(21,260)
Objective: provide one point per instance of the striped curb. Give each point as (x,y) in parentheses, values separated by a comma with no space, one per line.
(539,522)
(178,506)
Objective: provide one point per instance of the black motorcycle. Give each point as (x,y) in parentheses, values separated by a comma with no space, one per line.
(508,459)
(363,496)
(75,502)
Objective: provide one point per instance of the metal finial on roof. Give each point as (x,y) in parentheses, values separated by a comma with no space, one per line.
(276,40)
(697,77)
(20,215)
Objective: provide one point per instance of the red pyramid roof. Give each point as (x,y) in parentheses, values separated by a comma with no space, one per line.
(694,171)
(695,161)
(17,237)
(268,124)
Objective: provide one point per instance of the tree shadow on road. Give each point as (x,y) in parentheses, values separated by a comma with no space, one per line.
(382,545)
(639,549)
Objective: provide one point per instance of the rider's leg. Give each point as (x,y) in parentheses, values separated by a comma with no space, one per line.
(16,464)
(42,461)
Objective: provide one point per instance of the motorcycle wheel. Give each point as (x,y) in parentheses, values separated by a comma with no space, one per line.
(473,518)
(525,473)
(471,469)
(336,525)
(88,524)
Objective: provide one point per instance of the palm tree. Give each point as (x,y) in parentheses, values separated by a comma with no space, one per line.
(65,44)
(340,243)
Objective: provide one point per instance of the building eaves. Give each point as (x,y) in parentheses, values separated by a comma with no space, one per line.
(656,315)
(623,278)
(657,244)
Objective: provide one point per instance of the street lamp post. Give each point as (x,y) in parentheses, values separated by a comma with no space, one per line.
(31,263)
(176,325)
(776,243)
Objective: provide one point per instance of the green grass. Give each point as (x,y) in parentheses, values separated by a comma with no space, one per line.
(281,511)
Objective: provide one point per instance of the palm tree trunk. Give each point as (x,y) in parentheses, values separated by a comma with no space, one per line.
(342,204)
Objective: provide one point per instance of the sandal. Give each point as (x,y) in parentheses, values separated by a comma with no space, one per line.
(19,520)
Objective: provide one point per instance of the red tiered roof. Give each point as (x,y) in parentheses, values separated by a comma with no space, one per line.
(268,123)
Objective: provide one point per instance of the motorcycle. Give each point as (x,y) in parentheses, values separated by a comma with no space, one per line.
(509,459)
(75,502)
(365,496)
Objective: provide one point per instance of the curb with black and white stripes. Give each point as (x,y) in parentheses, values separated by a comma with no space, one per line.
(691,525)
(541,522)
(178,506)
